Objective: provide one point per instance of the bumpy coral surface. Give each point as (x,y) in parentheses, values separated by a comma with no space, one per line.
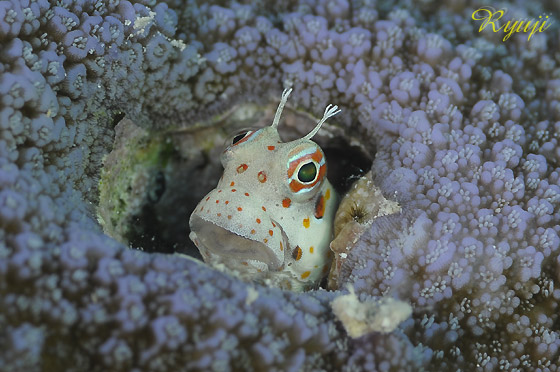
(466,129)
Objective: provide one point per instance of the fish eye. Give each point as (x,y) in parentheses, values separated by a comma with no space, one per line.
(306,169)
(307,172)
(239,136)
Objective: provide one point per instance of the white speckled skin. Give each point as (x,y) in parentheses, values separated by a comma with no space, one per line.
(261,220)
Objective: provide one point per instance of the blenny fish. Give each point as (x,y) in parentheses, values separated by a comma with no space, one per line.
(270,218)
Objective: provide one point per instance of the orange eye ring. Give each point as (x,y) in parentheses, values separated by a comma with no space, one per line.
(306,169)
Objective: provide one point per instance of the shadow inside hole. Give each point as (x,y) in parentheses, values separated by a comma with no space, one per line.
(118,116)
(346,163)
(163,224)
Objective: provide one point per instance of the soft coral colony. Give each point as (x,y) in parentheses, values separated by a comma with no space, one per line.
(465,128)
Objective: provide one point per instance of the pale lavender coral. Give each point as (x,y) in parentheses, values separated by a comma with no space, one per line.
(466,137)
(486,223)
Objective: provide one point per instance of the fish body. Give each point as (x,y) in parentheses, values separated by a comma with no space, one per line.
(271,215)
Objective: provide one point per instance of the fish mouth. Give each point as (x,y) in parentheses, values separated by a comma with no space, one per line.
(231,246)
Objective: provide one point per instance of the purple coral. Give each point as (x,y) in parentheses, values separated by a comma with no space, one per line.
(466,132)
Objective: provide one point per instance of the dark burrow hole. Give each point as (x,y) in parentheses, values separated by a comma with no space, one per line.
(168,174)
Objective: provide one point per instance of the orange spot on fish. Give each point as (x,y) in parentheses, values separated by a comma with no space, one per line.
(265,240)
(270,232)
(305,274)
(242,168)
(229,217)
(232,183)
(246,194)
(297,253)
(258,220)
(270,148)
(253,231)
(227,202)
(281,246)
(239,209)
(233,190)
(286,202)
(262,177)
(306,223)
(217,201)
(328,194)
(320,207)
(311,249)
(263,208)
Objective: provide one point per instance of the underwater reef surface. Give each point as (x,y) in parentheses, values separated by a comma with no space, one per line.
(465,129)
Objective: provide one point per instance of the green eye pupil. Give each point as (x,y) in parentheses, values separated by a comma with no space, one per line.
(307,172)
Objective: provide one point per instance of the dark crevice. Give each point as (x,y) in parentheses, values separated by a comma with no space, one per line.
(117,118)
(346,163)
